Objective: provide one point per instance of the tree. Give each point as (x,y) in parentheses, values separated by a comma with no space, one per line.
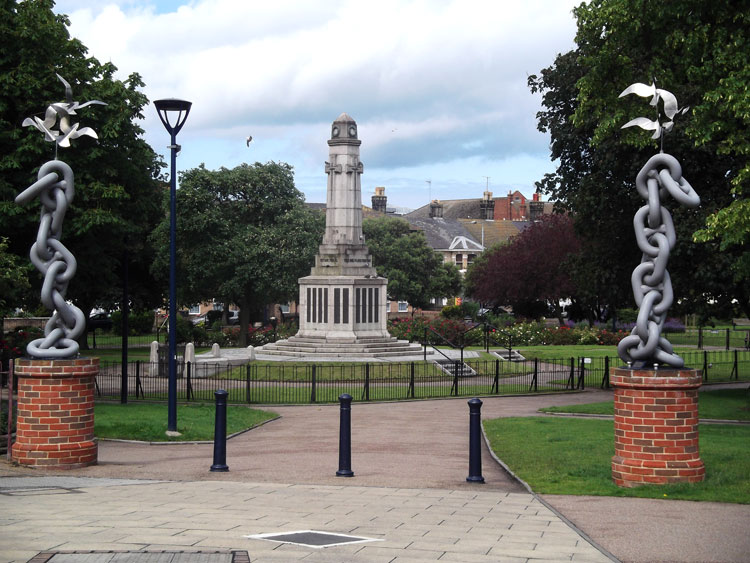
(244,236)
(620,42)
(531,268)
(116,177)
(415,272)
(13,279)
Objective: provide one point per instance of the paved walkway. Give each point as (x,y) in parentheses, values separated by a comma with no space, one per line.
(409,492)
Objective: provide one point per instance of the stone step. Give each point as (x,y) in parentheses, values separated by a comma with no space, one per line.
(339,354)
(359,345)
(340,351)
(359,341)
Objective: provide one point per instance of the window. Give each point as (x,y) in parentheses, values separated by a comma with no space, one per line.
(195,310)
(470,259)
(459,261)
(403,307)
(284,308)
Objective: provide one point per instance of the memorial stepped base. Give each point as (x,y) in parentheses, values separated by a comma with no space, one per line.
(364,347)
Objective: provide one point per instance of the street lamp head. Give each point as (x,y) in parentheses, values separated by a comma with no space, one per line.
(170,106)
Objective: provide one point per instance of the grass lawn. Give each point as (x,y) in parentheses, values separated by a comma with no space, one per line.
(723,404)
(573,457)
(148,421)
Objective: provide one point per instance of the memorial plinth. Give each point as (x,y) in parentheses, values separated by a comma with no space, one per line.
(55,424)
(342,303)
(656,426)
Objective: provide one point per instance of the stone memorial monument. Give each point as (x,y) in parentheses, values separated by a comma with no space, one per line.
(342,303)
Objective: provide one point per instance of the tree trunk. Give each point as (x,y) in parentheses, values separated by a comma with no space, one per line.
(83,340)
(244,322)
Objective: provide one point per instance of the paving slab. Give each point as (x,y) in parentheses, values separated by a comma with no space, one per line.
(410,461)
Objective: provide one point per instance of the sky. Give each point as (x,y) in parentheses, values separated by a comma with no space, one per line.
(438,88)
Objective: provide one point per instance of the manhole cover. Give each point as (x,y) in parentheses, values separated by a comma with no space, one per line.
(141,557)
(312,538)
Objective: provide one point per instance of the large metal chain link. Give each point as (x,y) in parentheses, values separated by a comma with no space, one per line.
(652,287)
(54,187)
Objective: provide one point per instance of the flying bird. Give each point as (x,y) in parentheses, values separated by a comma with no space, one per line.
(249,140)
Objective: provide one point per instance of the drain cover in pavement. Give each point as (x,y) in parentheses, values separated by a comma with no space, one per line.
(141,557)
(311,538)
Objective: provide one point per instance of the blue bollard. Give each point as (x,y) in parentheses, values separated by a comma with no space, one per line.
(475,442)
(220,432)
(345,437)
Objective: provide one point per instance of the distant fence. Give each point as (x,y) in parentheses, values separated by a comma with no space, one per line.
(284,383)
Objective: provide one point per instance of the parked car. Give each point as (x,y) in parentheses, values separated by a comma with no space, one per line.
(198,321)
(102,321)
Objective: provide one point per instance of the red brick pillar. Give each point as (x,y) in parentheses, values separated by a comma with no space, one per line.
(55,424)
(656,426)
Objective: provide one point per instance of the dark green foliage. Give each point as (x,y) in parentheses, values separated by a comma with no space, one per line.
(415,272)
(244,237)
(139,322)
(699,51)
(116,188)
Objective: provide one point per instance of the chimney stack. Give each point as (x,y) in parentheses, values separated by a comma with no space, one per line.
(536,208)
(436,209)
(487,206)
(379,200)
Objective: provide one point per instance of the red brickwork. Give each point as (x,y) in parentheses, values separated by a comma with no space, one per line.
(656,427)
(55,424)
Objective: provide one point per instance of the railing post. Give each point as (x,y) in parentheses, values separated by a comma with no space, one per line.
(605,377)
(700,338)
(581,384)
(705,365)
(312,392)
(727,338)
(189,383)
(411,380)
(138,384)
(735,368)
(366,391)
(496,383)
(454,389)
(572,372)
(345,437)
(247,383)
(536,374)
(220,432)
(475,441)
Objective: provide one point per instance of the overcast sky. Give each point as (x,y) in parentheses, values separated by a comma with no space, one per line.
(437,87)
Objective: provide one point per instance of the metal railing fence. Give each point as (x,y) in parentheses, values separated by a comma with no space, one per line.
(289,383)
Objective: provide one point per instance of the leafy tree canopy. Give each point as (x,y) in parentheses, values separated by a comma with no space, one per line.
(700,52)
(415,272)
(116,177)
(244,236)
(532,267)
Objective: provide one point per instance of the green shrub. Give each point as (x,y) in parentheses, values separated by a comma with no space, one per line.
(139,322)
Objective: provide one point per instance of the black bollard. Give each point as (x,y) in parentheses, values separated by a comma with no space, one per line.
(475,442)
(345,437)
(220,432)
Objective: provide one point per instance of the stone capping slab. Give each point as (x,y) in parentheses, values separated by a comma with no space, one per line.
(312,538)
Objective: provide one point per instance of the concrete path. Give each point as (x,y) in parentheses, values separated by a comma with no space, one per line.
(410,461)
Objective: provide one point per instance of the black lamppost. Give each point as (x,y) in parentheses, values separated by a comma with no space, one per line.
(178,110)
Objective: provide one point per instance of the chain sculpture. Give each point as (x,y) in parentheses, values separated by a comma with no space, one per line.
(54,188)
(655,235)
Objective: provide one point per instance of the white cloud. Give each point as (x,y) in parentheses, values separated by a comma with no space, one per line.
(433,84)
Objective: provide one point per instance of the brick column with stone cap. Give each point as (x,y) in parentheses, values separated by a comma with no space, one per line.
(656,426)
(55,424)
